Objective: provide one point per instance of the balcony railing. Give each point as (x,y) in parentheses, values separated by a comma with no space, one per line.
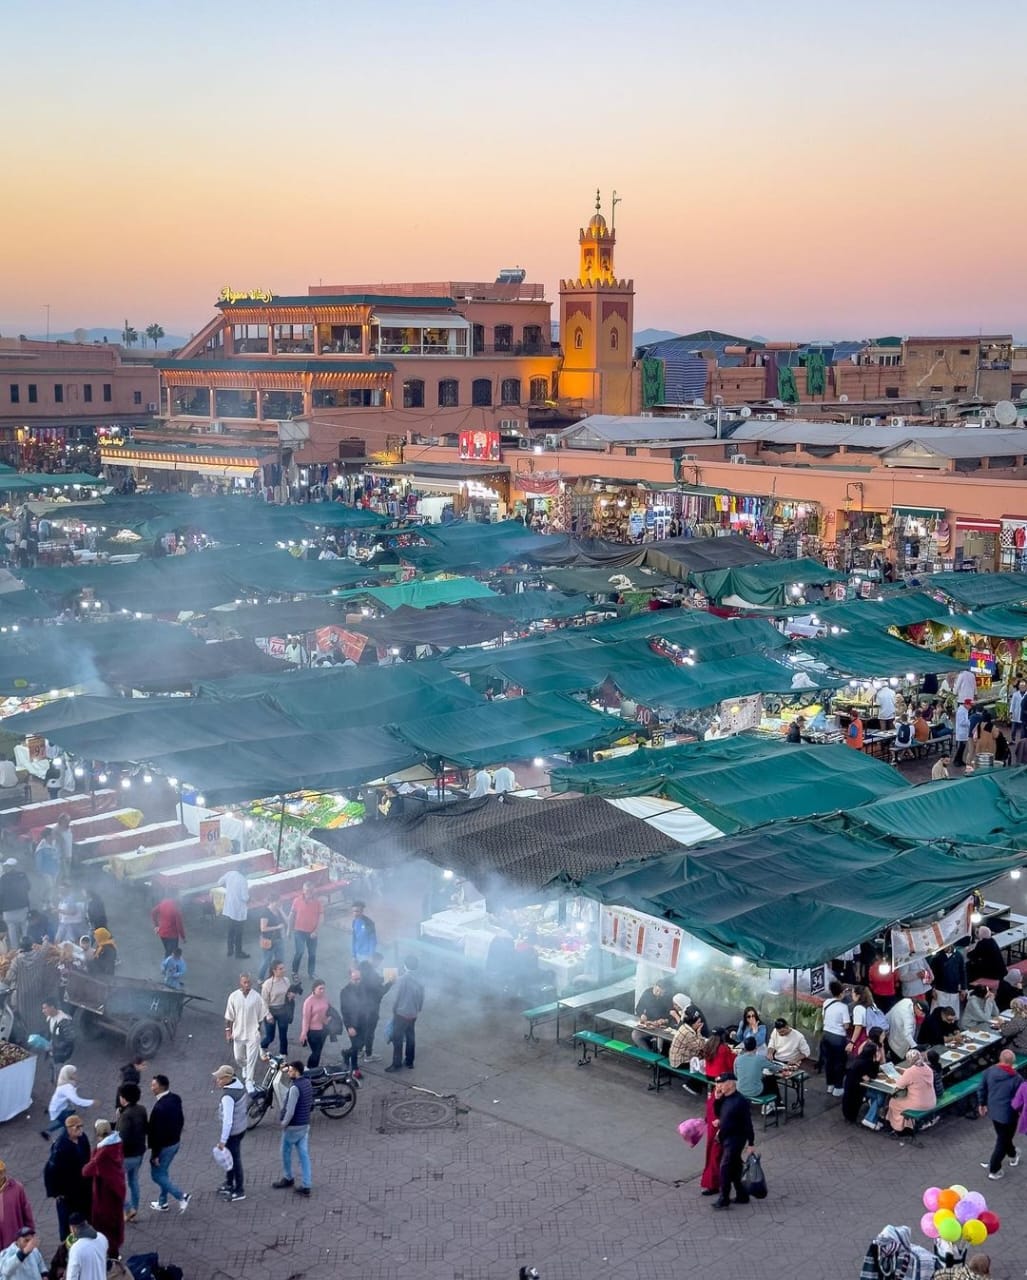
(539,348)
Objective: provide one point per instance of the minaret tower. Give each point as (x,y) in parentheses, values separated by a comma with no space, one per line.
(597,325)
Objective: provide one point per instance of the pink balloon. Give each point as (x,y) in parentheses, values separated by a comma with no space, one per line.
(931,1199)
(927,1224)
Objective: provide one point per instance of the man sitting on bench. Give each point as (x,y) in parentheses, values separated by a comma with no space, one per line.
(652,1010)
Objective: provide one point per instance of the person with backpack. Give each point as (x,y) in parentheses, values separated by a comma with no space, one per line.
(865,1016)
(904,741)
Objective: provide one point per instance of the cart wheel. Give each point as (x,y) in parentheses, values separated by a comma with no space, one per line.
(88,1024)
(145,1038)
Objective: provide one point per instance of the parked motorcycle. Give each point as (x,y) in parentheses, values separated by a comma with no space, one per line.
(335,1091)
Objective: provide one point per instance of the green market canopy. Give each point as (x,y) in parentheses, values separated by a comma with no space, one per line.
(868,655)
(974,590)
(763,585)
(793,893)
(901,610)
(516,729)
(741,782)
(423,594)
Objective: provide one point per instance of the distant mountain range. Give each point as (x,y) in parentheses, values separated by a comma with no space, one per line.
(168,343)
(646,336)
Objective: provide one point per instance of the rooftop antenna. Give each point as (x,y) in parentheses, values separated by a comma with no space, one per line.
(614,202)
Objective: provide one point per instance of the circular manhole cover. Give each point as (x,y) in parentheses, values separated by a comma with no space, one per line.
(401,1115)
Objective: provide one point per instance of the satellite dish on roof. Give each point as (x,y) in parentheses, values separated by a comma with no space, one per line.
(844,398)
(777,404)
(698,403)
(1005,413)
(745,411)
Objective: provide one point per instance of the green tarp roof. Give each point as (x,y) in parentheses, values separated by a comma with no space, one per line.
(340,697)
(974,590)
(326,761)
(23,481)
(517,729)
(901,610)
(534,606)
(708,683)
(999,621)
(741,782)
(764,585)
(422,594)
(869,654)
(607,581)
(986,807)
(794,893)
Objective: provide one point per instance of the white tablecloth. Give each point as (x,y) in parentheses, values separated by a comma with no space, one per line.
(16,1083)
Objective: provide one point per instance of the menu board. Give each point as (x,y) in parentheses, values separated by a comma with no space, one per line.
(640,937)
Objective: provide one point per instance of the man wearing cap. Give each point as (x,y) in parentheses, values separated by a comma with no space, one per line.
(14,900)
(735,1135)
(21,1260)
(15,1210)
(961,735)
(232,1119)
(87,1257)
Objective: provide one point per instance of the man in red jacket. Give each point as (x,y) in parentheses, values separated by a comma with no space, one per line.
(168,924)
(15,1210)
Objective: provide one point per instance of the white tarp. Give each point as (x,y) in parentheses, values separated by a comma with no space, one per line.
(682,825)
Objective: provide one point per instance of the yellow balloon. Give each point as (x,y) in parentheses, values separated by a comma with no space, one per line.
(975,1232)
(959,1190)
(943,1215)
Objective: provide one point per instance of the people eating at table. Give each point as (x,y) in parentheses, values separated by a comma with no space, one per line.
(787,1045)
(938,1027)
(653,1011)
(861,1069)
(756,1073)
(750,1024)
(684,1009)
(1014,1029)
(914,1091)
(688,1043)
(980,1011)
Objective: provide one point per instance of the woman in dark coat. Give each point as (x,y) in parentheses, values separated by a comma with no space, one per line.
(863,1067)
(107,1170)
(984,959)
(63,1177)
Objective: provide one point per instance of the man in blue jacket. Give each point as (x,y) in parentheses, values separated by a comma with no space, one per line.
(295,1125)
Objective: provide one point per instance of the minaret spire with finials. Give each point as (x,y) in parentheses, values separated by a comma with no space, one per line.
(598,202)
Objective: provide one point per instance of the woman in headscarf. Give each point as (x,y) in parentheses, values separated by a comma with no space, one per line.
(105,954)
(717,1058)
(33,980)
(980,1011)
(1014,1029)
(107,1170)
(916,1085)
(893,1256)
(984,959)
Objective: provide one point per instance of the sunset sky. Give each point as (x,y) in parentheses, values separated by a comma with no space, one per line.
(795,170)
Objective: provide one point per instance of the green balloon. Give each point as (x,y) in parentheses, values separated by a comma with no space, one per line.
(950,1230)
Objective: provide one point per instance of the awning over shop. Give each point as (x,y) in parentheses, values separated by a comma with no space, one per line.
(424,320)
(869,655)
(922,513)
(1008,623)
(535,606)
(707,684)
(974,590)
(978,525)
(518,729)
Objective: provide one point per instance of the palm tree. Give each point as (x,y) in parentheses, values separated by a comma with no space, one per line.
(154,332)
(129,336)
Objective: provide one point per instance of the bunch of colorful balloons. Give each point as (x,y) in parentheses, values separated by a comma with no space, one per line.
(953,1213)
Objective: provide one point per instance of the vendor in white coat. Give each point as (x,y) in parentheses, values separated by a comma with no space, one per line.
(235,910)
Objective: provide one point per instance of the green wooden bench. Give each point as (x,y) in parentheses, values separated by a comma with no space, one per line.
(656,1062)
(541,1013)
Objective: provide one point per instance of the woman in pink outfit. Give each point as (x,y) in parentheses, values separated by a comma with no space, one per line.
(917,1079)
